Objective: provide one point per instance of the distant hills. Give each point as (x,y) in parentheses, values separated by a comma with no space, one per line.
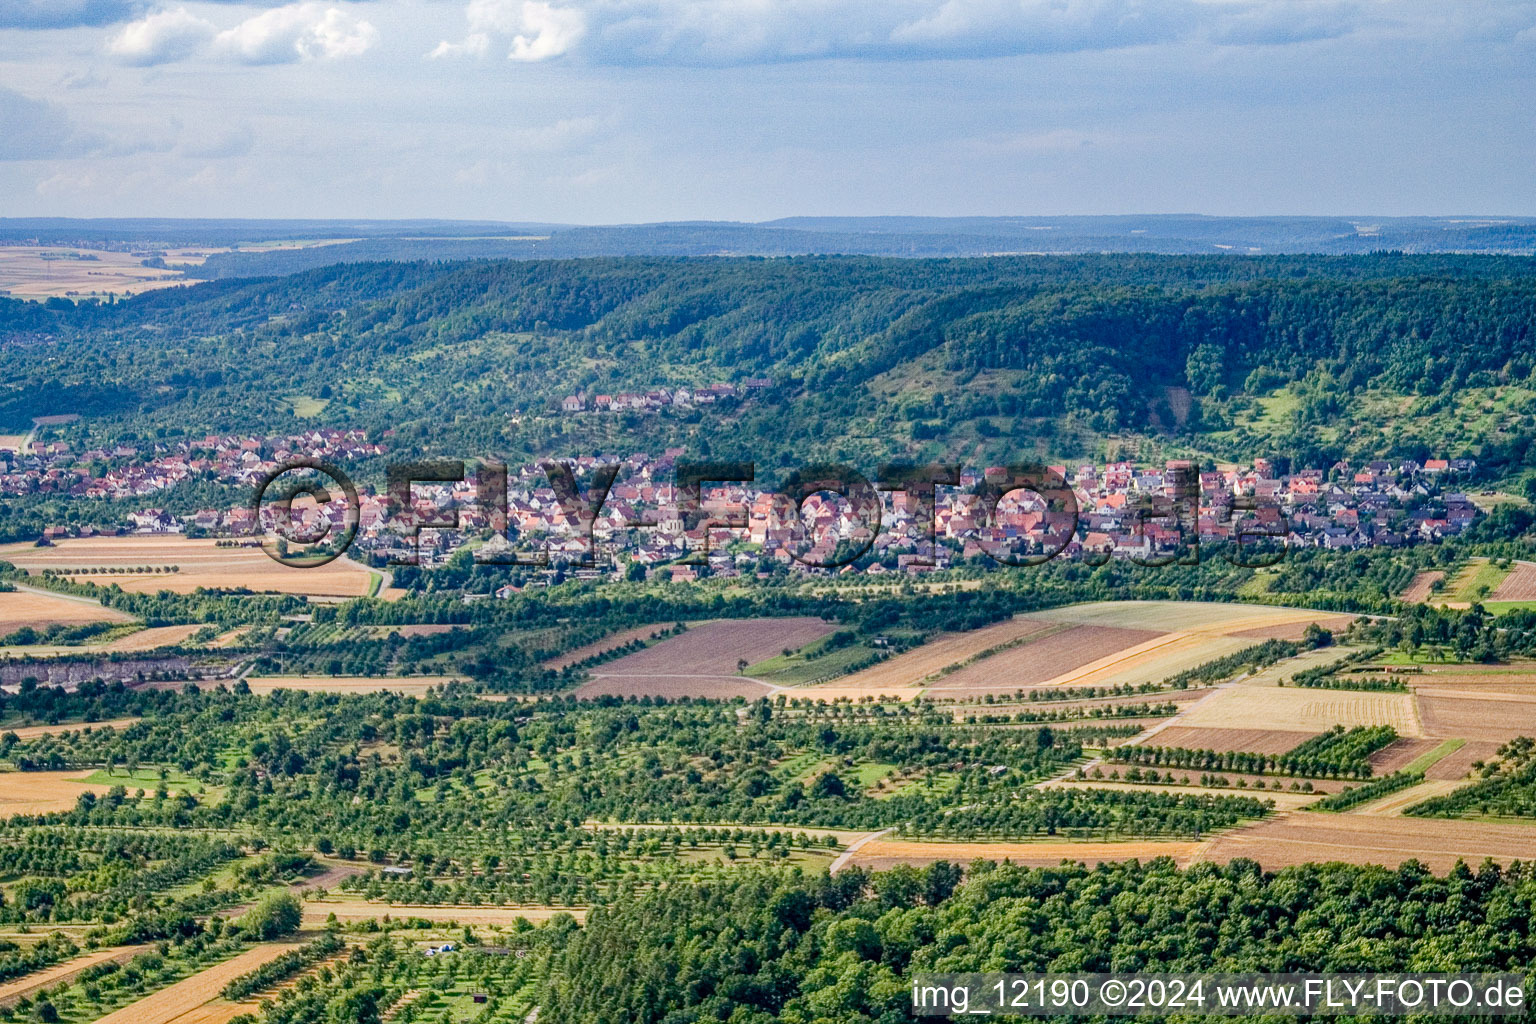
(1174,234)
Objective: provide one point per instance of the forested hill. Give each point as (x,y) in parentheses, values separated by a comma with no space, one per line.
(1305,356)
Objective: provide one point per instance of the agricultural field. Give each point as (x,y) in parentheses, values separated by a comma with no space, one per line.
(22,608)
(1296,710)
(414,685)
(41,272)
(1422,587)
(179,1003)
(145,564)
(704,661)
(1479,580)
(37,792)
(1257,741)
(1303,837)
(1519,585)
(883,854)
(1059,650)
(32,732)
(599,647)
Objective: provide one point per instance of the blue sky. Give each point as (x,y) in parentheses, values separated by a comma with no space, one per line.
(605,111)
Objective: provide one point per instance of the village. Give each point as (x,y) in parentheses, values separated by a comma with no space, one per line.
(1122,510)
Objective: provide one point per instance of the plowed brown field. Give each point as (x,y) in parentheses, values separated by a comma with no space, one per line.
(1519,585)
(1418,591)
(1474,717)
(1399,753)
(1038,661)
(1305,836)
(604,645)
(924,664)
(1456,765)
(702,662)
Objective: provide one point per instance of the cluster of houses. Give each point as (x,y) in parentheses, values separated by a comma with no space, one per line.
(658,398)
(1114,510)
(142,469)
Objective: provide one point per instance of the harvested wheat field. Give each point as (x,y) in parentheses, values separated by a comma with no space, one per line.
(17,988)
(32,732)
(229,639)
(20,608)
(177,1003)
(881,854)
(413,685)
(1057,651)
(925,664)
(963,703)
(1519,585)
(43,792)
(200,563)
(317,913)
(1477,717)
(1151,660)
(1251,741)
(1305,711)
(1295,630)
(1305,836)
(605,645)
(1183,616)
(151,638)
(40,272)
(1418,591)
(703,661)
(1393,805)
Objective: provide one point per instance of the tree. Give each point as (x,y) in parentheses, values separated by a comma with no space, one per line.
(276,915)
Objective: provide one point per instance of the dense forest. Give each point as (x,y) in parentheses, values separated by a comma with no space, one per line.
(868,357)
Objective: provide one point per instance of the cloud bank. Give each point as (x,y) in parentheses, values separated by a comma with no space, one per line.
(284,35)
(726,32)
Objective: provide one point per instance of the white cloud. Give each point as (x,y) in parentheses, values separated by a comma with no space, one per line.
(536,30)
(724,32)
(284,35)
(162,37)
(303,31)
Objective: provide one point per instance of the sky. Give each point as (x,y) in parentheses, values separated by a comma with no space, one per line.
(627,111)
